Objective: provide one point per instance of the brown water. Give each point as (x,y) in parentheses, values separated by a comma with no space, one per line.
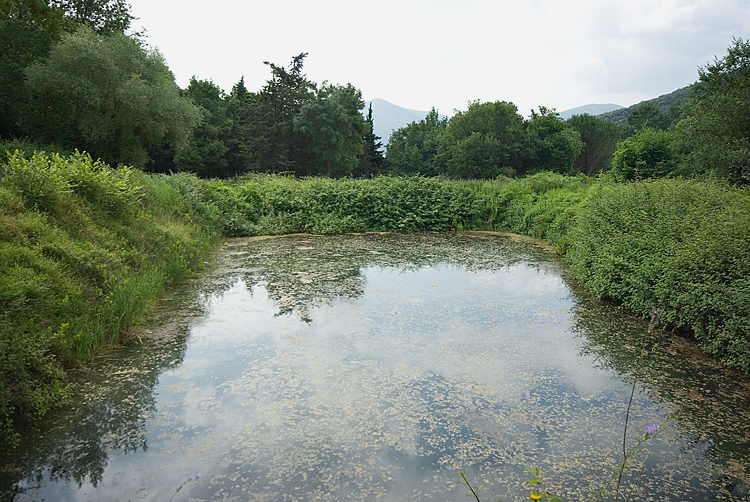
(376,367)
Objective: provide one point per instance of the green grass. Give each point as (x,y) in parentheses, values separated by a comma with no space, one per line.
(84,250)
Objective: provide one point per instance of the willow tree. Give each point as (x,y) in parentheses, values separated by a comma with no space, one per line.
(110,96)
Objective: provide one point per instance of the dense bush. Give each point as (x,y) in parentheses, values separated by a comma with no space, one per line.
(82,254)
(677,246)
(650,153)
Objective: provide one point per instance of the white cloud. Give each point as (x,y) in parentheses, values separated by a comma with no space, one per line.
(421,53)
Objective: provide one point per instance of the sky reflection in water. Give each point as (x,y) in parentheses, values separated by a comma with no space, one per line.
(377,367)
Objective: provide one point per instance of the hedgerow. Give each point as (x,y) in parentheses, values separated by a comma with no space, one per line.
(679,247)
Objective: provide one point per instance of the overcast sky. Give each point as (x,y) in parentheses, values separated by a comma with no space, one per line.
(444,53)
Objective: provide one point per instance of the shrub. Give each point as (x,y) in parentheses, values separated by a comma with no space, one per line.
(84,250)
(647,154)
(677,246)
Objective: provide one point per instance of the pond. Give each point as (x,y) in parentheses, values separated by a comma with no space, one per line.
(378,366)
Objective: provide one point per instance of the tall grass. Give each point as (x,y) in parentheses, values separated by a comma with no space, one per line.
(84,250)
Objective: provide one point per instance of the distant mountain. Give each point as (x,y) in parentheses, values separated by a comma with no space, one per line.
(592,109)
(663,103)
(387,117)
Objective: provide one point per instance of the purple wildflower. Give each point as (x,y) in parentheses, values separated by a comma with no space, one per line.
(651,429)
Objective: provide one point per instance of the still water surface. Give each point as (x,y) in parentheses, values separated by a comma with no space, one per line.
(376,367)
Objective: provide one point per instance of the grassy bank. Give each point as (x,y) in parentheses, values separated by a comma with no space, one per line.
(84,249)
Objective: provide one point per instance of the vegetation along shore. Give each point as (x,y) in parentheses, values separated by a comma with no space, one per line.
(651,212)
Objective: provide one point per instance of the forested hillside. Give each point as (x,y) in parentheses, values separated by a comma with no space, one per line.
(668,104)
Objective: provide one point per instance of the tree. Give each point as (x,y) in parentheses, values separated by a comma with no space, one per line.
(35,13)
(716,130)
(58,16)
(205,152)
(556,145)
(28,29)
(476,156)
(650,153)
(22,43)
(334,128)
(599,138)
(240,104)
(371,160)
(103,16)
(109,96)
(273,144)
(647,115)
(412,148)
(484,141)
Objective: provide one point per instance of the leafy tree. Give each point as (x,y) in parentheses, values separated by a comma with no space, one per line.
(103,16)
(22,43)
(108,96)
(716,131)
(205,152)
(36,13)
(412,149)
(273,144)
(647,114)
(28,29)
(650,153)
(58,16)
(476,156)
(556,144)
(486,140)
(371,160)
(334,128)
(599,138)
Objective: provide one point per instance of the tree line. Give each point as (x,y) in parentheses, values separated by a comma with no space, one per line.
(71,77)
(491,139)
(709,135)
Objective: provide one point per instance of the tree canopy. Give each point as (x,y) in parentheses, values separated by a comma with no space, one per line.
(554,143)
(716,131)
(71,77)
(599,138)
(412,148)
(335,130)
(485,141)
(291,125)
(109,96)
